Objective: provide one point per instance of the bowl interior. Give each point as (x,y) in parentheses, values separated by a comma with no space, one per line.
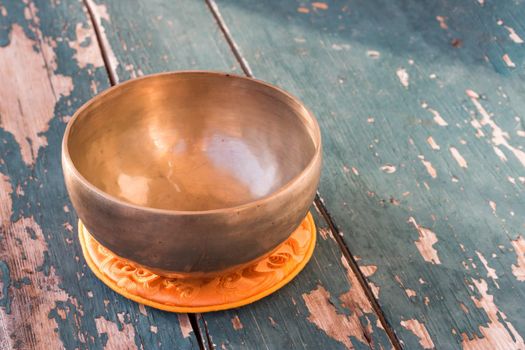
(191,141)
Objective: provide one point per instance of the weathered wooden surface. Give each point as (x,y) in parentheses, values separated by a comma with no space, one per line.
(323,308)
(165,36)
(325,300)
(50,64)
(421,106)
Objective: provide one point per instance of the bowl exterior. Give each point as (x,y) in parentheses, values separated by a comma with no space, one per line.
(193,242)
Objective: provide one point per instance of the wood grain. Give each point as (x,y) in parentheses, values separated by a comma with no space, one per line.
(50,64)
(420,103)
(324,307)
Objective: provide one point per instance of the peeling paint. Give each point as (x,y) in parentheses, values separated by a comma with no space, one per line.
(26,115)
(508,61)
(324,315)
(320,5)
(325,233)
(236,323)
(430,169)
(492,206)
(410,293)
(185,325)
(499,137)
(438,119)
(43,287)
(340,47)
(142,310)
(87,50)
(498,334)
(340,326)
(303,9)
(118,339)
(403,77)
(425,242)
(491,273)
(500,153)
(513,35)
(442,22)
(458,157)
(368,270)
(355,299)
(373,54)
(375,289)
(518,269)
(398,280)
(420,331)
(433,143)
(388,168)
(463,308)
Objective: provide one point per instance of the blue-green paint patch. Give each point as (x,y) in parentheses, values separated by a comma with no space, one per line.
(5,301)
(24,281)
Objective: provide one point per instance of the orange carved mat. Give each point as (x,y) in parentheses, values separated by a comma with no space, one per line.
(202,294)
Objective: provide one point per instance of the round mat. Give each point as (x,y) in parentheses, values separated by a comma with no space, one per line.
(202,294)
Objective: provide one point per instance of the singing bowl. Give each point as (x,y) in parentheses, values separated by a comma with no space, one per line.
(192,172)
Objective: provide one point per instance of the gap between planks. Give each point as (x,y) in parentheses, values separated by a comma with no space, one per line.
(201,320)
(318,202)
(100,41)
(89,5)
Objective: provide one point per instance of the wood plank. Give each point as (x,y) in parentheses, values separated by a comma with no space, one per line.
(324,307)
(164,37)
(50,64)
(420,103)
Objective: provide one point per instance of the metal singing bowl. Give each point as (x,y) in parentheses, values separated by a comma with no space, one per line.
(192,172)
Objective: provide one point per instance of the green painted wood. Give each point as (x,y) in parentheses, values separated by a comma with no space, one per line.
(323,308)
(166,36)
(50,64)
(325,300)
(421,107)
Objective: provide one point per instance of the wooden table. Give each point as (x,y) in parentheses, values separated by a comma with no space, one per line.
(421,207)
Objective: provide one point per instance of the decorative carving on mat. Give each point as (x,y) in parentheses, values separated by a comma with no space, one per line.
(200,294)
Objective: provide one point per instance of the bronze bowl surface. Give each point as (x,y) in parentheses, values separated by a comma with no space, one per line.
(192,172)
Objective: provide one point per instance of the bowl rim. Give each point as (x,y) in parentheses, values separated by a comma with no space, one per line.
(308,115)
